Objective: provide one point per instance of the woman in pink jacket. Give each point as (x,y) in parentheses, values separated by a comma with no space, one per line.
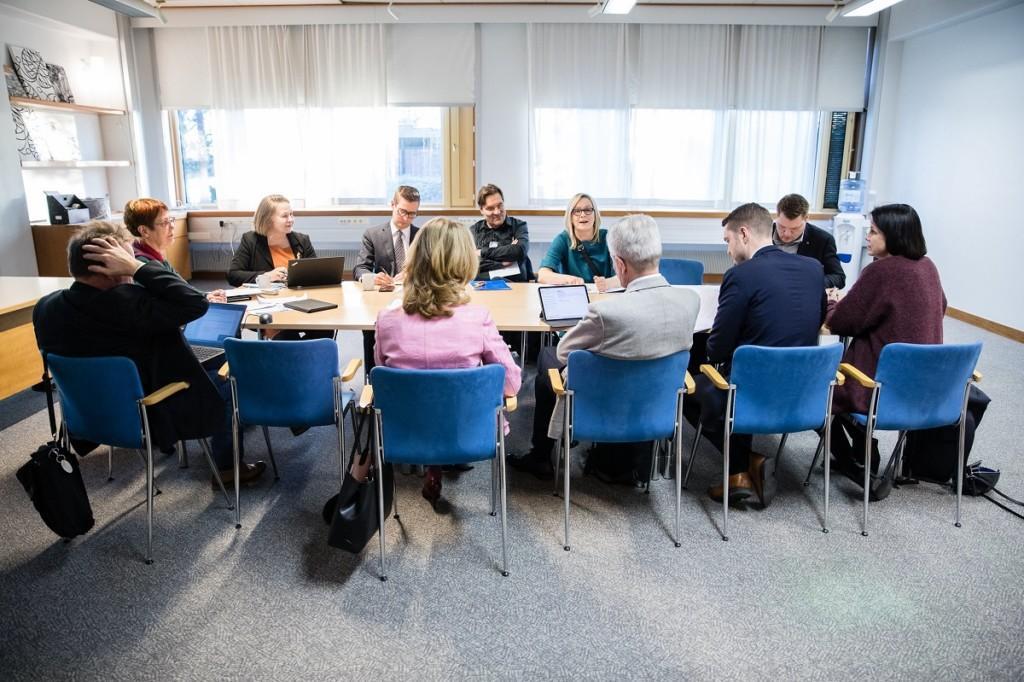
(436,327)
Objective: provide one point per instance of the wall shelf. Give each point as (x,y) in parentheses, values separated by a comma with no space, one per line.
(63,106)
(36,165)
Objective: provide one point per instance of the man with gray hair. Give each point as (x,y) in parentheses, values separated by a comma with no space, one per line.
(650,319)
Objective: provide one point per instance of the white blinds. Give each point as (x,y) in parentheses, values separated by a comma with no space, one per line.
(431,64)
(750,68)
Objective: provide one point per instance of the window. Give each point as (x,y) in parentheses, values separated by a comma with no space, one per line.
(675,157)
(316,157)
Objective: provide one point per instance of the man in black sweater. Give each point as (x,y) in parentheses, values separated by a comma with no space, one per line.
(793,234)
(502,241)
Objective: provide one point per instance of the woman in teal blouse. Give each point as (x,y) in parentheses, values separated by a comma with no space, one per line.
(580,254)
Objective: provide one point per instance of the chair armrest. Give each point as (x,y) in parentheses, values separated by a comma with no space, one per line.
(857,375)
(556,381)
(840,378)
(224,371)
(690,386)
(365,398)
(511,403)
(716,378)
(161,394)
(976,376)
(350,369)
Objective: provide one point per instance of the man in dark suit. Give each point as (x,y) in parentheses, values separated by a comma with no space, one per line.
(793,234)
(385,246)
(769,298)
(384,249)
(118,306)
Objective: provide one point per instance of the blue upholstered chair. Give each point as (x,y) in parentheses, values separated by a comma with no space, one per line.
(102,401)
(682,271)
(606,400)
(916,386)
(440,416)
(776,390)
(287,383)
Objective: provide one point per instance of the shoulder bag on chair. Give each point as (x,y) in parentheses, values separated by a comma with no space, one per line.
(352,513)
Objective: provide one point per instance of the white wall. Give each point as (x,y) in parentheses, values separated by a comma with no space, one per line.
(955,147)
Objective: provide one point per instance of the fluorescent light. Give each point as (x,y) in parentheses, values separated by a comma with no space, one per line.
(865,8)
(133,8)
(617,6)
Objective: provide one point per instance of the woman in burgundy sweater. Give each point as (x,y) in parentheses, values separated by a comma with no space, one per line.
(897,299)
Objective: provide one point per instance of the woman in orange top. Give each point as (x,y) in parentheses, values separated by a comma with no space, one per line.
(270,244)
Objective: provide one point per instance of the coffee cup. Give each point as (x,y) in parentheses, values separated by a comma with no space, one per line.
(263,281)
(367,281)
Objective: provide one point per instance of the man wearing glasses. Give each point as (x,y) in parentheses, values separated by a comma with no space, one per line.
(384,249)
(385,246)
(502,241)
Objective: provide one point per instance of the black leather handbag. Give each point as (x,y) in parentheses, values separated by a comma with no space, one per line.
(53,482)
(353,512)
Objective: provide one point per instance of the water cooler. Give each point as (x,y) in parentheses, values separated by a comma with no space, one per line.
(849,229)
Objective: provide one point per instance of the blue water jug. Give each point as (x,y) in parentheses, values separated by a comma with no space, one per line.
(851,194)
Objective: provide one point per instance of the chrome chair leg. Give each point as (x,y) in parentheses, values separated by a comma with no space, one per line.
(236,435)
(678,441)
(502,483)
(693,453)
(960,467)
(778,453)
(380,492)
(182,455)
(823,444)
(205,447)
(149,501)
(558,465)
(817,453)
(867,478)
(270,450)
(725,485)
(110,463)
(566,449)
(494,487)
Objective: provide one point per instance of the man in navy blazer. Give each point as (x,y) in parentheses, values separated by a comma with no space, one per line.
(769,298)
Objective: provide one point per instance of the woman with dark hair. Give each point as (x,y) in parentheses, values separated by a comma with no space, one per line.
(897,298)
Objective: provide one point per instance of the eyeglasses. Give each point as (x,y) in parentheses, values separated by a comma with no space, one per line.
(164,223)
(406,214)
(582,211)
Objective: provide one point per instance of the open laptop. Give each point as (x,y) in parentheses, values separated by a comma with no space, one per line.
(206,335)
(563,306)
(315,272)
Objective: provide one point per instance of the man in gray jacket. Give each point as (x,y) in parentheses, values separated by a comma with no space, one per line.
(650,319)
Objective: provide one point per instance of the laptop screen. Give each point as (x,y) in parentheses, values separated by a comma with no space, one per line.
(221,321)
(564,302)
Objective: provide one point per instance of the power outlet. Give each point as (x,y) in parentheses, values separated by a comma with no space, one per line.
(353,220)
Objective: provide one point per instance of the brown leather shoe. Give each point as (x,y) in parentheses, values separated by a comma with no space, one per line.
(762,475)
(740,488)
(247,473)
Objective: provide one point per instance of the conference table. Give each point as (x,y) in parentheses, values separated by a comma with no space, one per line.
(516,309)
(20,362)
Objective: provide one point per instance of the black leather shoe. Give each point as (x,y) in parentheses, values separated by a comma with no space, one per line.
(539,466)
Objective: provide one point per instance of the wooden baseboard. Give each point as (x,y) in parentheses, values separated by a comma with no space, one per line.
(988,325)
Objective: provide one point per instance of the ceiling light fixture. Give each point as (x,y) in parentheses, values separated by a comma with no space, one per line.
(612,7)
(133,8)
(865,8)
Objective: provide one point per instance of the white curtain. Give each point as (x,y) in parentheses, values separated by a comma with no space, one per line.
(682,115)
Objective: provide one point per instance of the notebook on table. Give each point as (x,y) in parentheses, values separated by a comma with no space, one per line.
(315,272)
(206,335)
(310,305)
(564,306)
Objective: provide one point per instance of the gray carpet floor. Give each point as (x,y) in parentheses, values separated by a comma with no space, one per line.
(918,599)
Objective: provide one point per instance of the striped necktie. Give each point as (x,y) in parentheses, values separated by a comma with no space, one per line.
(399,252)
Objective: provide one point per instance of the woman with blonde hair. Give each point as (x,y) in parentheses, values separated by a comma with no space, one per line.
(270,244)
(580,254)
(436,327)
